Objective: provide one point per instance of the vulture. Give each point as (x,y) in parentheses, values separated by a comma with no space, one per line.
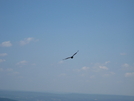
(71,57)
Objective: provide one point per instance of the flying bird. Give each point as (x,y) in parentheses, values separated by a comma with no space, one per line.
(71,57)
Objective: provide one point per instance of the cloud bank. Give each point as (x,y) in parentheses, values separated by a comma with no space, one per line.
(2,60)
(6,44)
(27,41)
(3,54)
(22,62)
(129,74)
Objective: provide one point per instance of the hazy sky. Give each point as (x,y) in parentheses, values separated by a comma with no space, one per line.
(35,35)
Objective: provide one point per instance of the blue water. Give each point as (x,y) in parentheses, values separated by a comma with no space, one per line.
(38,96)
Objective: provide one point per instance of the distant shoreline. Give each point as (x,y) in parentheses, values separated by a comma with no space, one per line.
(34,96)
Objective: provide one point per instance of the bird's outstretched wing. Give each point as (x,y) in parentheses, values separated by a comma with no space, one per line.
(67,58)
(75,53)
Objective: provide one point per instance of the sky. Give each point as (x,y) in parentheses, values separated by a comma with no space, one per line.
(36,35)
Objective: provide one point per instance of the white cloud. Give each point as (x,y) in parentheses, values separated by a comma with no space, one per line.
(22,62)
(27,41)
(6,44)
(125,65)
(129,74)
(123,54)
(2,60)
(108,74)
(81,69)
(3,54)
(9,71)
(85,68)
(61,62)
(103,67)
(95,70)
(107,62)
(97,67)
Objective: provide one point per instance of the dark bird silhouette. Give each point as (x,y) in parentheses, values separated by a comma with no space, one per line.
(71,57)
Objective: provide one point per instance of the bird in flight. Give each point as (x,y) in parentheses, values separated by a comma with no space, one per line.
(71,57)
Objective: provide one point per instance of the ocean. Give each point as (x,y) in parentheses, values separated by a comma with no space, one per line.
(39,96)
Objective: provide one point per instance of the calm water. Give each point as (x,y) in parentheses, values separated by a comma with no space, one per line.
(37,96)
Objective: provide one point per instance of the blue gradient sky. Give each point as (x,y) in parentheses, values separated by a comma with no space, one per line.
(35,35)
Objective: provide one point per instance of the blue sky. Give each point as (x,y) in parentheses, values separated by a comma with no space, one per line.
(35,35)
